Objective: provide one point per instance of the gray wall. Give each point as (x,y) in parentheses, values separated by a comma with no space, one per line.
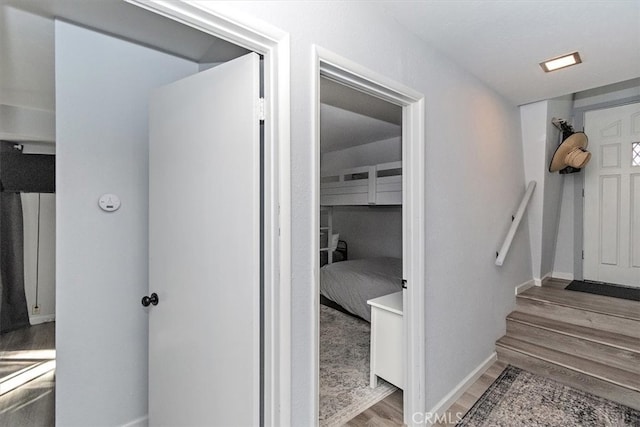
(556,108)
(102,87)
(40,263)
(474,181)
(607,94)
(540,139)
(564,262)
(40,255)
(370,232)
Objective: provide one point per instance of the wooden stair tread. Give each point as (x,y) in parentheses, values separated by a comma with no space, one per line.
(616,376)
(589,302)
(603,337)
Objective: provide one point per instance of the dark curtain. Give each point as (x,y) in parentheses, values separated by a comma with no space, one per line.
(14,313)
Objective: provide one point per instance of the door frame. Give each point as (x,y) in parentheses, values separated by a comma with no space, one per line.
(344,71)
(273,44)
(589,249)
(578,217)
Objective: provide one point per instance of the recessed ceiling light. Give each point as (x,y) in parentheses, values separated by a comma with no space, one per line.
(561,62)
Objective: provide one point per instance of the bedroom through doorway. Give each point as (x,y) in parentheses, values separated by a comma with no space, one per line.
(360,255)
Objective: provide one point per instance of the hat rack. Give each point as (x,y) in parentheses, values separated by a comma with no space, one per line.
(567,133)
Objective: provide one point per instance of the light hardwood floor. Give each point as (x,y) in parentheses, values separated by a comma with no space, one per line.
(33,404)
(471,396)
(37,337)
(389,411)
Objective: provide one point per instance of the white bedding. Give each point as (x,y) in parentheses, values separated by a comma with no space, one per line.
(352,283)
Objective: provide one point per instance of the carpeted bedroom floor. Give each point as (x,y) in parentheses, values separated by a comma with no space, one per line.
(344,368)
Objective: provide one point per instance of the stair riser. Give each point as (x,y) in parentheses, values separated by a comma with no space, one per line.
(603,322)
(606,354)
(569,377)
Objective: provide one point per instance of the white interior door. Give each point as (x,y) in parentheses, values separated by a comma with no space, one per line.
(204,248)
(612,196)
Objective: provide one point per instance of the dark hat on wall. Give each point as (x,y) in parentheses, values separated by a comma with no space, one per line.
(572,152)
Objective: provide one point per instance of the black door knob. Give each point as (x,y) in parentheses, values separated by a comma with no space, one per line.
(152,299)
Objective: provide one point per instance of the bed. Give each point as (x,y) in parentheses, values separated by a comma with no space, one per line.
(348,285)
(351,284)
(379,184)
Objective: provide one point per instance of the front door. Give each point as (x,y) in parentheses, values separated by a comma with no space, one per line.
(204,248)
(612,196)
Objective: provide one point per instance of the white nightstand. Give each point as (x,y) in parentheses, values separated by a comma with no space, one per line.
(387,355)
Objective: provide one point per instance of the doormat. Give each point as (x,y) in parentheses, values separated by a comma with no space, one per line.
(521,398)
(605,289)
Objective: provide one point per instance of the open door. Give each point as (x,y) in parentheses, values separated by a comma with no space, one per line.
(204,248)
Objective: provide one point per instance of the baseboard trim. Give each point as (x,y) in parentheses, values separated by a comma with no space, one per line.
(42,318)
(138,422)
(538,281)
(444,404)
(563,276)
(524,286)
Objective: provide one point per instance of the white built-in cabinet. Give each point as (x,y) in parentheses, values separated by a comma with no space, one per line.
(386,340)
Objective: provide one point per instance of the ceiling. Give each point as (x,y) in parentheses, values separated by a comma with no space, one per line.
(349,117)
(500,42)
(340,129)
(123,20)
(27,92)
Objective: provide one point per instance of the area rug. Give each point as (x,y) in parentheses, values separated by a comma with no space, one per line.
(606,289)
(520,398)
(344,368)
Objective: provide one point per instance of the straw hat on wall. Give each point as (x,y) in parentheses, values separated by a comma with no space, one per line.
(572,152)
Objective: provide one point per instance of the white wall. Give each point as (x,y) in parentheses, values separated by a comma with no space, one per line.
(102,87)
(26,97)
(474,175)
(540,139)
(43,265)
(474,181)
(23,123)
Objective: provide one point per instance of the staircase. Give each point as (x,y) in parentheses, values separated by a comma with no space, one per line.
(589,342)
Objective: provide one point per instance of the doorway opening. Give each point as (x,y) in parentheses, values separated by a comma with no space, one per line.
(360,250)
(378,185)
(76,318)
